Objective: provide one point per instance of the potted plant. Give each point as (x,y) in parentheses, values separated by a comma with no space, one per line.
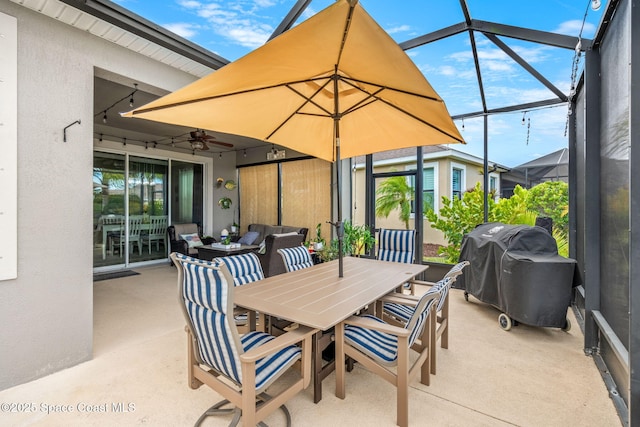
(319,242)
(358,239)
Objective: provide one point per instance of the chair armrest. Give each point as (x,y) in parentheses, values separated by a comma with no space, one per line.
(421,282)
(290,338)
(403,299)
(180,246)
(376,326)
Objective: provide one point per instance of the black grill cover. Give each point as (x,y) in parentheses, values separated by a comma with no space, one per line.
(517,269)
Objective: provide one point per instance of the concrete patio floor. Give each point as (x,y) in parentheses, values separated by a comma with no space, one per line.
(488,377)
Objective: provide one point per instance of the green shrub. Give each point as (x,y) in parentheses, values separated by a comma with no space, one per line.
(458,217)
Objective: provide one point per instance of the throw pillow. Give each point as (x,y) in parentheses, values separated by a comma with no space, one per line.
(193,240)
(248,238)
(291,233)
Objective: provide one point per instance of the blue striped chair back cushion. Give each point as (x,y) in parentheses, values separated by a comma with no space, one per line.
(244,268)
(384,347)
(208,301)
(456,270)
(397,245)
(296,258)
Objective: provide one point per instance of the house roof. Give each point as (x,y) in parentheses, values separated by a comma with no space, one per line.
(404,155)
(552,159)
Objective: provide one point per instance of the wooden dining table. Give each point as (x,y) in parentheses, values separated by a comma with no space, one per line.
(318,298)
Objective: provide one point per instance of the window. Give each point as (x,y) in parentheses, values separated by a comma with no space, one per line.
(494,186)
(429,187)
(457,180)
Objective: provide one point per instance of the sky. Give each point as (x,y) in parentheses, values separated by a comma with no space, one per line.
(233,28)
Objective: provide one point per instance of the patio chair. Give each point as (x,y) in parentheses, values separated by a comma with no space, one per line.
(135,228)
(397,309)
(397,246)
(378,345)
(157,232)
(244,268)
(296,258)
(240,368)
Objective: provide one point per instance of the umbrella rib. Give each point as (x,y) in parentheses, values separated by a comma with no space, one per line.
(210,98)
(306,101)
(374,96)
(349,80)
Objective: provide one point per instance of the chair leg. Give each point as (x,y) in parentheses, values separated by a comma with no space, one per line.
(339,329)
(402,385)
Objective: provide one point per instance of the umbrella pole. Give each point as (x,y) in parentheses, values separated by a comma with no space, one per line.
(336,133)
(339,224)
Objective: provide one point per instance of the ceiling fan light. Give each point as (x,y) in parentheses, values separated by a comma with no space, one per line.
(197,145)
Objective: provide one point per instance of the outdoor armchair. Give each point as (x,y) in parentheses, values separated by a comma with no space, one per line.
(177,242)
(238,367)
(378,345)
(398,308)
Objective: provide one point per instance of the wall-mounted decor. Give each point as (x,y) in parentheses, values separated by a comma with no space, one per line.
(230,184)
(224,203)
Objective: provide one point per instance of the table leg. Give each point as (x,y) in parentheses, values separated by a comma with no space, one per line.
(320,342)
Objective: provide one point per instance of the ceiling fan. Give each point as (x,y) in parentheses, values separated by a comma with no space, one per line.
(199,140)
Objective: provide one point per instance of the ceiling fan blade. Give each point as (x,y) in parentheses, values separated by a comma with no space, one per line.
(194,134)
(204,146)
(224,144)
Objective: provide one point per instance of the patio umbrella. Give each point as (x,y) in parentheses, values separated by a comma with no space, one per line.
(337,85)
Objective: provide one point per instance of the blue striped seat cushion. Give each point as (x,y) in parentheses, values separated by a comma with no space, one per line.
(404,312)
(377,345)
(296,258)
(268,368)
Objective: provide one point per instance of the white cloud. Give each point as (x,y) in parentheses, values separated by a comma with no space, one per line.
(239,21)
(572,28)
(183,29)
(398,29)
(190,4)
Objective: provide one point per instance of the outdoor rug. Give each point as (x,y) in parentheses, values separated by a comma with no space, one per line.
(113,275)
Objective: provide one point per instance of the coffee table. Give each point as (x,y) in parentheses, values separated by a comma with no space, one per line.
(207,252)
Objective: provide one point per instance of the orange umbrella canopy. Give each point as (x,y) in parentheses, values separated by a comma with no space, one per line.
(337,76)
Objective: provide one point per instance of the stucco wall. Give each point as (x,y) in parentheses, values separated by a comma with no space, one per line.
(47,312)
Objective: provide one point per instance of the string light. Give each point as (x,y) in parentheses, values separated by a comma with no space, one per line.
(463,123)
(131,101)
(245,153)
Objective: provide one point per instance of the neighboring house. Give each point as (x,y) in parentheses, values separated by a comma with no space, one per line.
(551,167)
(447,173)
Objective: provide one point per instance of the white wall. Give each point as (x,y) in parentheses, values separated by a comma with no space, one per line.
(46,314)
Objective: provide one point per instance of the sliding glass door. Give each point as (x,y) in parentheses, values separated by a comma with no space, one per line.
(135,231)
